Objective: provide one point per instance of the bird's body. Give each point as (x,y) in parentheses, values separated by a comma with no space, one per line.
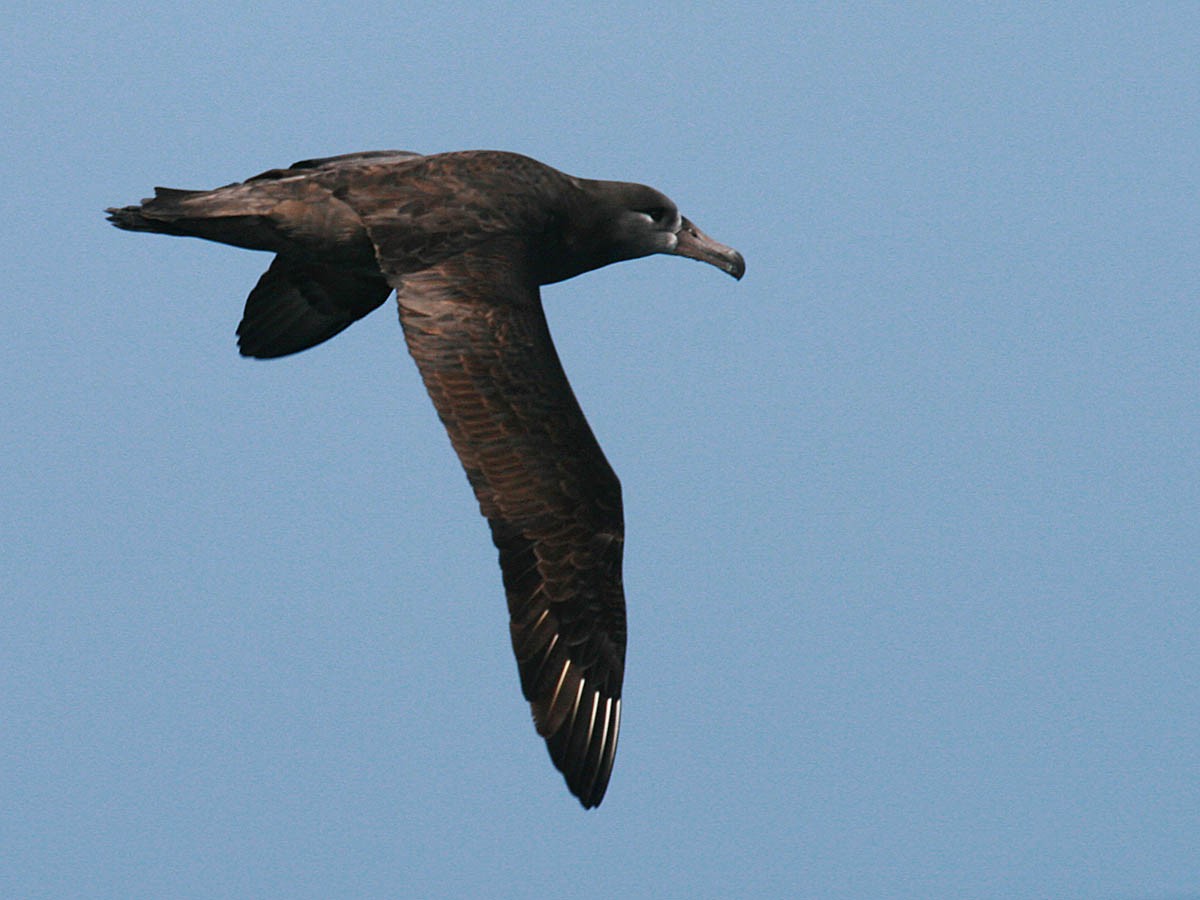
(465,240)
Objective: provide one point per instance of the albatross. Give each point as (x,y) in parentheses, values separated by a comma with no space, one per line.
(466,240)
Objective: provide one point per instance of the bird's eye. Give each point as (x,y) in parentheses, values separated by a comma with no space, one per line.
(656,213)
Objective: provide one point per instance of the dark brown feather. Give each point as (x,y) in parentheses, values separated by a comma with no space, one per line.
(475,327)
(298,304)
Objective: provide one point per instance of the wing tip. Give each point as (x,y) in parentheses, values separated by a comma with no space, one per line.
(587,765)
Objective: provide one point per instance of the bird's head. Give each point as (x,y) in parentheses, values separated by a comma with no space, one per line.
(627,221)
(647,221)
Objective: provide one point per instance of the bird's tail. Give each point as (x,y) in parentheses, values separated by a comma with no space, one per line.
(235,214)
(164,213)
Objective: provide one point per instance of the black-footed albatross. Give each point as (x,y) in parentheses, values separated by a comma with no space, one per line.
(466,240)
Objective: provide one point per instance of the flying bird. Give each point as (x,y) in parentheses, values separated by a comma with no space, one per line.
(466,240)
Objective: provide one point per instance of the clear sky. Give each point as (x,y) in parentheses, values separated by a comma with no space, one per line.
(912,510)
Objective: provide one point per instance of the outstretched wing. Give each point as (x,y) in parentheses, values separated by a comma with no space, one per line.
(475,326)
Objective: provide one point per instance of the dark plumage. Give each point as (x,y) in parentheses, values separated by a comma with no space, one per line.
(465,240)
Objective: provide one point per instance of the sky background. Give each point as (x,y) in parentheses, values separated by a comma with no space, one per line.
(912,510)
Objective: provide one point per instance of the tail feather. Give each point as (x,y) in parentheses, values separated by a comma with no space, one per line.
(153,211)
(223,215)
(165,196)
(130,218)
(160,213)
(294,216)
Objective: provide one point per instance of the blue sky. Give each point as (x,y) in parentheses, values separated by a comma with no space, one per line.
(912,510)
